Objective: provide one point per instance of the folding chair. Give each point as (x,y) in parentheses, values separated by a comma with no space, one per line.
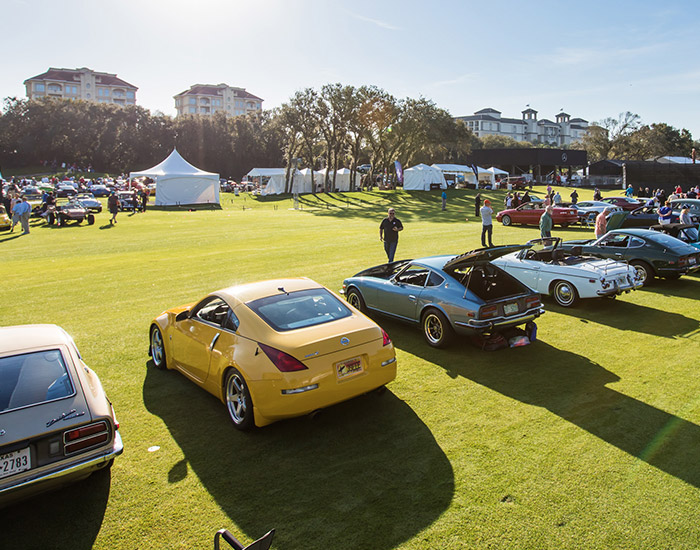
(263,543)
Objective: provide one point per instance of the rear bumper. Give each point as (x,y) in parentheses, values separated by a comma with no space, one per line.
(270,404)
(44,480)
(500,322)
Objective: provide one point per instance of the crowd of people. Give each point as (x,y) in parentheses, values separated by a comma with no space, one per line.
(15,196)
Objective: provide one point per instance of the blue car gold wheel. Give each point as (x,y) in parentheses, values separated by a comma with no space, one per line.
(436,328)
(238,401)
(355,300)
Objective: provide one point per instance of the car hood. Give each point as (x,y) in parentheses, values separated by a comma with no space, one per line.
(482,255)
(615,220)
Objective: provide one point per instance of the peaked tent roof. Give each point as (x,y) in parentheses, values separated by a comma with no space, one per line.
(173,165)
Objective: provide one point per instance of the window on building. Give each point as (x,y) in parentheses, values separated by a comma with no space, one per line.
(193,101)
(204,101)
(39,87)
(130,94)
(118,93)
(55,88)
(193,110)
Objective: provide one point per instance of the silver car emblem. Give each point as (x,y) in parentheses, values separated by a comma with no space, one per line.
(344,341)
(2,432)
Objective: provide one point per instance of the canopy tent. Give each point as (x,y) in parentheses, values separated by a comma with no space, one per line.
(497,172)
(307,186)
(421,177)
(342,179)
(180,183)
(466,172)
(273,180)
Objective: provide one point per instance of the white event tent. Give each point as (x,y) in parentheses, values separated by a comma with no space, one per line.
(421,176)
(180,183)
(276,178)
(497,172)
(342,179)
(308,186)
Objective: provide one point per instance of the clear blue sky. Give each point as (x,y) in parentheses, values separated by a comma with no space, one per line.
(592,58)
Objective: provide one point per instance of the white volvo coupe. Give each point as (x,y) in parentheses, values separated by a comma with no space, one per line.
(567,275)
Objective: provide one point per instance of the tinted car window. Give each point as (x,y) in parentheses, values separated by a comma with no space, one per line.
(303,308)
(434,279)
(32,378)
(414,275)
(214,311)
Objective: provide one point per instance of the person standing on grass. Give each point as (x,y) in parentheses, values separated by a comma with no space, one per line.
(389,233)
(477,204)
(574,197)
(546,223)
(113,207)
(486,224)
(601,222)
(444,200)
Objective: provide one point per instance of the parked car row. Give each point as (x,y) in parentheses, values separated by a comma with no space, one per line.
(288,347)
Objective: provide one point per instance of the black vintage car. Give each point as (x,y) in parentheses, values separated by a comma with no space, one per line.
(67,211)
(652,253)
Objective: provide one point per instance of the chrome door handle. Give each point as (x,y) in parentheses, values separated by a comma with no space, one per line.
(213,341)
(411,298)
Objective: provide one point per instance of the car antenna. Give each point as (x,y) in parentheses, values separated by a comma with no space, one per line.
(281,289)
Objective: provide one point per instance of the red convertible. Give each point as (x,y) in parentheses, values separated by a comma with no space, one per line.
(529,214)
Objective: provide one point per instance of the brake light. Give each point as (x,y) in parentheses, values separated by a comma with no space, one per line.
(385,338)
(283,361)
(488,311)
(682,261)
(85,437)
(532,301)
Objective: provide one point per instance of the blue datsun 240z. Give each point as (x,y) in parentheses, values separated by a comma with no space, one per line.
(447,295)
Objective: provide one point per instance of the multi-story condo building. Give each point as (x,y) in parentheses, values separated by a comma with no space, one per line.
(205,99)
(489,122)
(84,84)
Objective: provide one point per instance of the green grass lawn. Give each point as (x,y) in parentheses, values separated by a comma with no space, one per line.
(587,439)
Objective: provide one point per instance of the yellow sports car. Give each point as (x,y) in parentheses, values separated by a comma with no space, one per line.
(274,349)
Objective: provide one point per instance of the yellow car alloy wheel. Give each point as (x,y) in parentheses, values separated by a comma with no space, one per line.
(238,401)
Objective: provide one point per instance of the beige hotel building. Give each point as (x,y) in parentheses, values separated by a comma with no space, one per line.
(206,99)
(85,84)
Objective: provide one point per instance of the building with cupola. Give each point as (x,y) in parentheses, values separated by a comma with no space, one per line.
(563,131)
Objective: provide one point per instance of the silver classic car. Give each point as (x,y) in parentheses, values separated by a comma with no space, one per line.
(567,275)
(56,424)
(446,295)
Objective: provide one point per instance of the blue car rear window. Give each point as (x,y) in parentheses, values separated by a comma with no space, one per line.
(303,308)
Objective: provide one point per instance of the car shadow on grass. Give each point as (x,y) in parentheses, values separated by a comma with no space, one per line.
(69,518)
(687,286)
(624,315)
(574,388)
(366,473)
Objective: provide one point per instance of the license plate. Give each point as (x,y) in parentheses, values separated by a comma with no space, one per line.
(509,309)
(348,368)
(15,462)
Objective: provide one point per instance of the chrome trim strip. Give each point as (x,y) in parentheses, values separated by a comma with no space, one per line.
(116,450)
